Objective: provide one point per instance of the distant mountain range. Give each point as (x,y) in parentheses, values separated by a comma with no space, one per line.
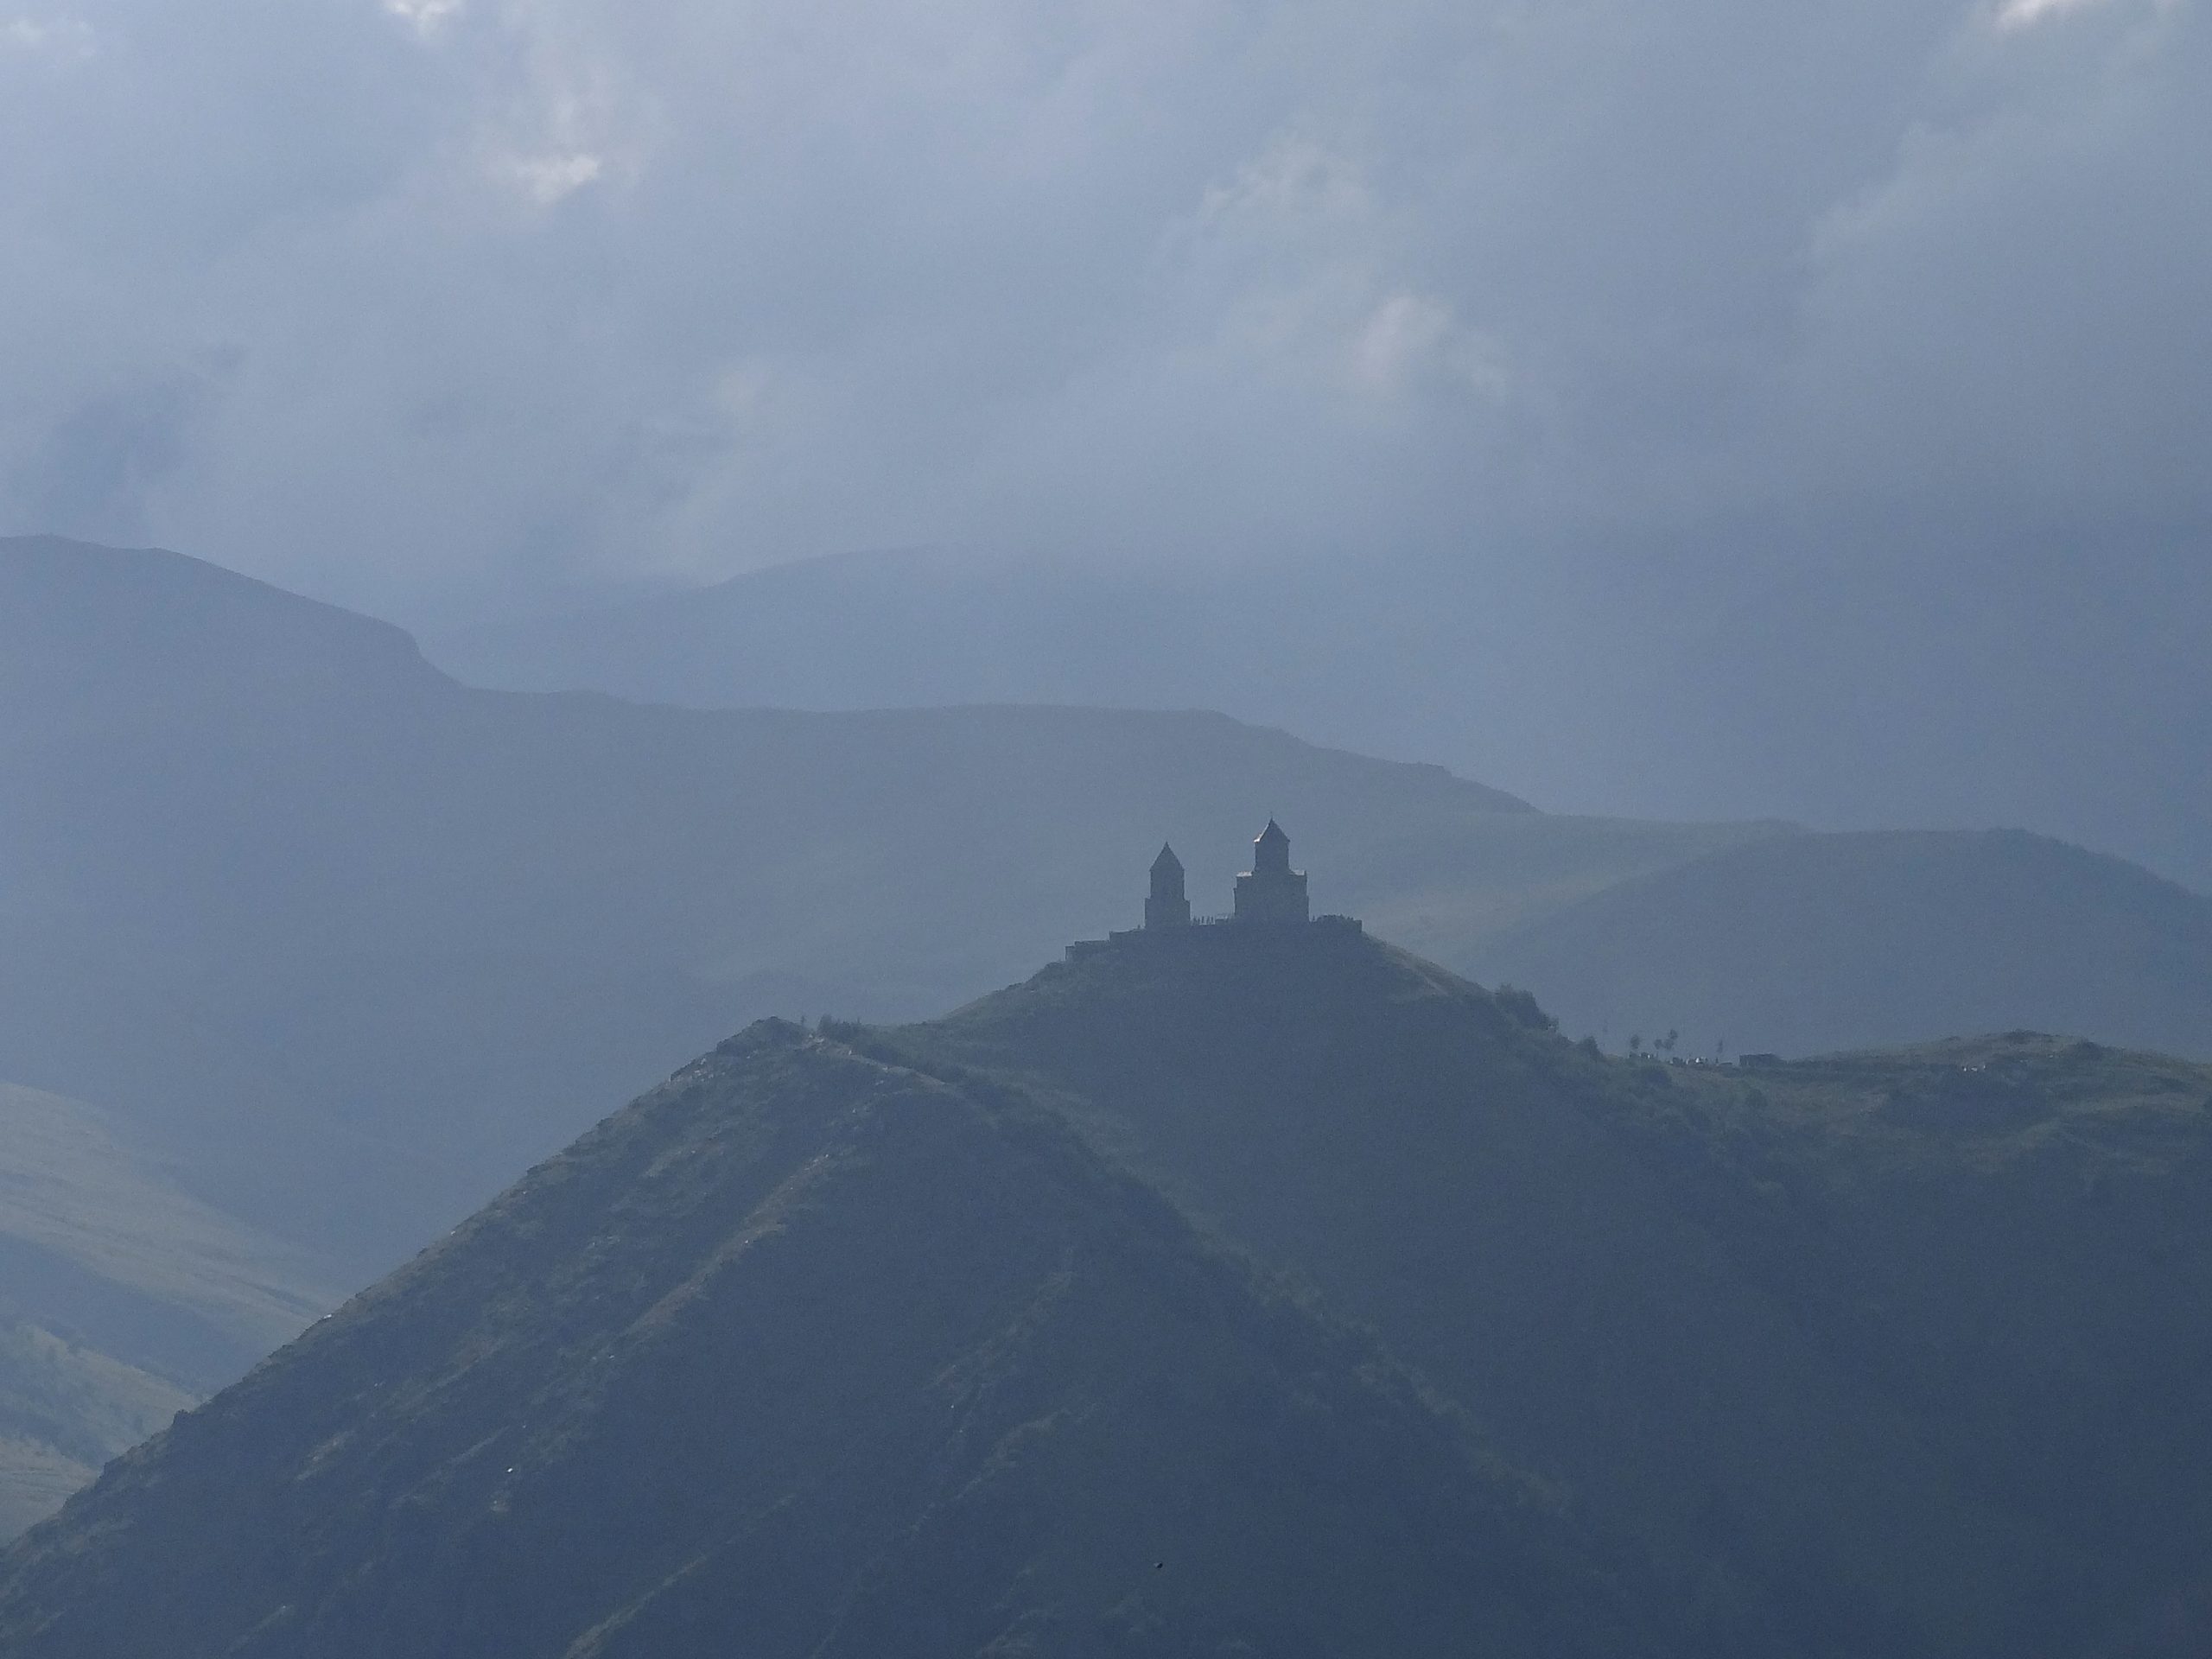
(289,899)
(336,944)
(1877,678)
(858,1340)
(1805,943)
(292,900)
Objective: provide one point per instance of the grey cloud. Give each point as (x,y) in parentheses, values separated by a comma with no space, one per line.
(546,288)
(99,462)
(2020,301)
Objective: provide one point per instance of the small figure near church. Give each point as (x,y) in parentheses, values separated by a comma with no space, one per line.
(1271,893)
(1167,906)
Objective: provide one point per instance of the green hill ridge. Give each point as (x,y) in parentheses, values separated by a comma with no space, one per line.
(810,1353)
(338,944)
(1904,1381)
(972,1337)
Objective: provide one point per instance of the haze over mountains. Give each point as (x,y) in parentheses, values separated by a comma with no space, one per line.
(822,1357)
(841,1343)
(330,945)
(1863,673)
(274,883)
(1881,1355)
(1694,516)
(280,893)
(1785,942)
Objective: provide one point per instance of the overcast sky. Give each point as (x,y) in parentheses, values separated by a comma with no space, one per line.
(409,302)
(1812,401)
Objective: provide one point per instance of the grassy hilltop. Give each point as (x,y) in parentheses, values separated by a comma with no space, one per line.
(331,945)
(1887,1353)
(806,1353)
(1281,1289)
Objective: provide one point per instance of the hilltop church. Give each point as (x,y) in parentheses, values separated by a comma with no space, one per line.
(1269,895)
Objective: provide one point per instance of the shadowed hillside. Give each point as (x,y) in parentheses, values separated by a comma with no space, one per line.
(808,1355)
(340,945)
(1805,943)
(841,1343)
(1875,1375)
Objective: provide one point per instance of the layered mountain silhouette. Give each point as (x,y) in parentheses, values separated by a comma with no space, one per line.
(806,1353)
(291,900)
(1802,942)
(924,1339)
(1897,1339)
(1899,674)
(338,943)
(281,893)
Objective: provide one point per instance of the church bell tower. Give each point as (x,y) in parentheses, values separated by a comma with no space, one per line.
(1271,893)
(1166,905)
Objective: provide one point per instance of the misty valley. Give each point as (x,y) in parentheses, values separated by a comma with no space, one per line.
(1491,1231)
(995,830)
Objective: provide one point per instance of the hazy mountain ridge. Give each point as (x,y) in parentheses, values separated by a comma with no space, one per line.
(68,609)
(914,628)
(284,900)
(1895,1367)
(1802,943)
(1870,672)
(839,1343)
(426,930)
(808,1348)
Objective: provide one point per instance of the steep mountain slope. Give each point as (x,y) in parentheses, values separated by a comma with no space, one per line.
(841,1343)
(1864,1375)
(121,1299)
(807,1354)
(2010,1234)
(65,1409)
(1805,943)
